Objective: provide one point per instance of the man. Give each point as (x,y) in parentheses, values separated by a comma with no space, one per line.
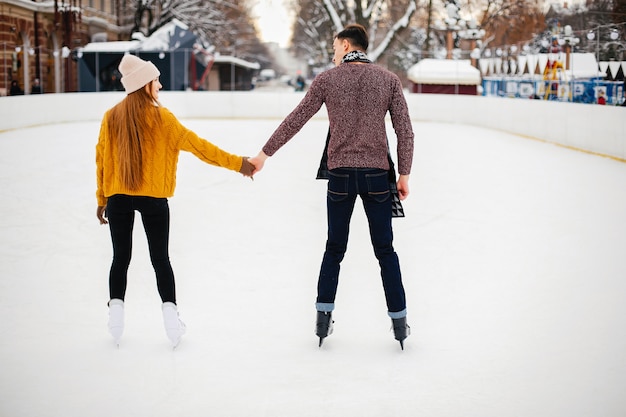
(357,95)
(36,87)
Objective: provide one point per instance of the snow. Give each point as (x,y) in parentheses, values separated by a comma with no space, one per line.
(444,71)
(236,61)
(163,39)
(512,257)
(117,46)
(175,35)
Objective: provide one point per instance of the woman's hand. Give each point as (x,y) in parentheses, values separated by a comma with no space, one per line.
(247,169)
(101,214)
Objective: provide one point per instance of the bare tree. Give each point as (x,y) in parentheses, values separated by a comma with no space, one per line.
(238,34)
(619,11)
(204,16)
(508,22)
(600,25)
(312,32)
(609,18)
(318,20)
(223,25)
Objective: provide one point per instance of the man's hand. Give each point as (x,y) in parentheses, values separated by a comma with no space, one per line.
(403,186)
(258,162)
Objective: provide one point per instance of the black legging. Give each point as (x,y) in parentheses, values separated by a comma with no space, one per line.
(155,215)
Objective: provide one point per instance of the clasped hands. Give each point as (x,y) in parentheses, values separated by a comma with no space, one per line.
(251,166)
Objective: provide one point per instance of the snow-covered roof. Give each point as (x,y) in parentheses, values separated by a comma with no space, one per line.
(444,71)
(172,36)
(118,46)
(237,61)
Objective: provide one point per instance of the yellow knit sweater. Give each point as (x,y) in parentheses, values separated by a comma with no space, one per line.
(160,158)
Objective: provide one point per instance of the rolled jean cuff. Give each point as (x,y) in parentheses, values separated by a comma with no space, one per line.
(397,314)
(325,307)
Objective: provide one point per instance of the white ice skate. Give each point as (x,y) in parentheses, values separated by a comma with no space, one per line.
(116,319)
(174,327)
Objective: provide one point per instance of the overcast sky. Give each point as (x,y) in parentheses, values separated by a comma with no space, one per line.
(273,21)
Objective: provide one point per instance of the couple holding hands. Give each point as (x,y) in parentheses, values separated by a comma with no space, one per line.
(137,154)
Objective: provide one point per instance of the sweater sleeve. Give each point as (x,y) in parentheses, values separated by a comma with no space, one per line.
(203,149)
(404,129)
(310,104)
(102,200)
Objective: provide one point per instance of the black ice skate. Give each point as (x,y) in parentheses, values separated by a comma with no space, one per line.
(401,330)
(324,325)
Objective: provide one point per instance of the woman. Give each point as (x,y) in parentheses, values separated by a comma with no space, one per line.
(15,89)
(136,158)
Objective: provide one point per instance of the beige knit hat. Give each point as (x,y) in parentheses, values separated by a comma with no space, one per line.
(136,72)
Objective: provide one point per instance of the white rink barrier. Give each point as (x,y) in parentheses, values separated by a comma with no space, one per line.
(591,128)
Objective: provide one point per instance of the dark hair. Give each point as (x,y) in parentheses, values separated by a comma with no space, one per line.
(356,35)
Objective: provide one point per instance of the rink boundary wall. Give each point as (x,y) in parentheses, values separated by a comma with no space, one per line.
(591,128)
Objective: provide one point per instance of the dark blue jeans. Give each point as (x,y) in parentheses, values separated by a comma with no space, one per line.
(155,216)
(344,185)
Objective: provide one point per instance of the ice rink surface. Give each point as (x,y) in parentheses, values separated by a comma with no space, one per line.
(512,254)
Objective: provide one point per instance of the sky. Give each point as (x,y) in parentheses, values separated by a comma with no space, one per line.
(275,24)
(511,253)
(273,21)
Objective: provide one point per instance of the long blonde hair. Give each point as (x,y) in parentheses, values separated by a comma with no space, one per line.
(129,124)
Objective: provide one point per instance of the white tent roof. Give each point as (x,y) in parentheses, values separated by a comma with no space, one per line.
(613,67)
(444,71)
(582,65)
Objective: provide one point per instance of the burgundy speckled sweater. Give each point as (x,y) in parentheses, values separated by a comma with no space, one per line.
(357,98)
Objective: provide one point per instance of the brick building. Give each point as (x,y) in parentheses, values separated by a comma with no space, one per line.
(38,40)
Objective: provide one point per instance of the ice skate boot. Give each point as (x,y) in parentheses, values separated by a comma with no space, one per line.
(324,325)
(116,319)
(401,330)
(174,327)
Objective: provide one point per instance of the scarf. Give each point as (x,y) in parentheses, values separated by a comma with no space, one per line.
(356,56)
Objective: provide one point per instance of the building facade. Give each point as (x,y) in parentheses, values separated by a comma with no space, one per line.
(39,39)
